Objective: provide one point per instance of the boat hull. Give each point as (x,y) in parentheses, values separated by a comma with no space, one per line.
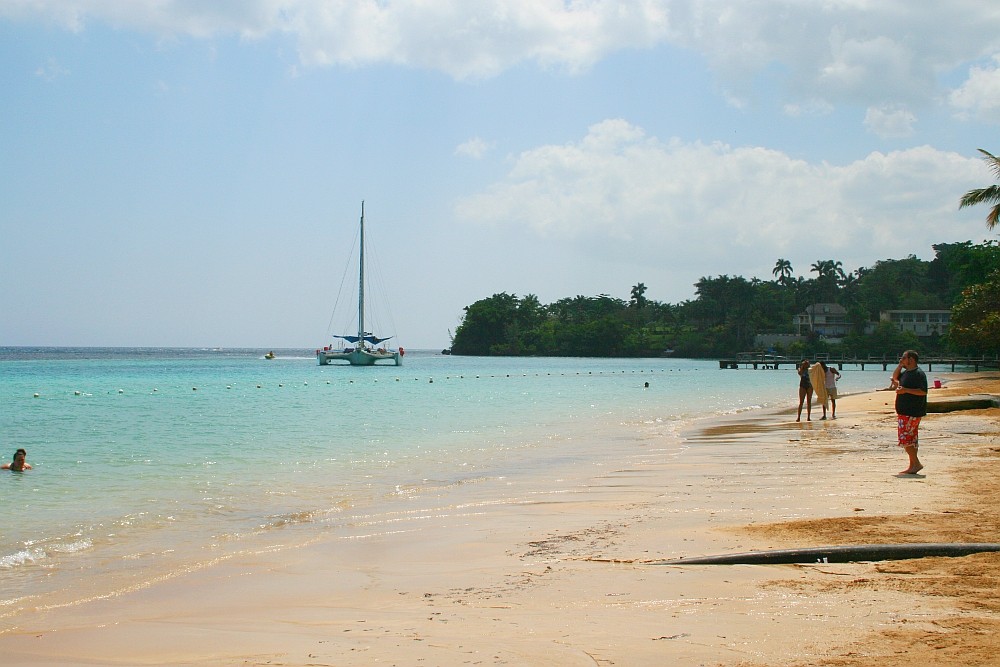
(358,357)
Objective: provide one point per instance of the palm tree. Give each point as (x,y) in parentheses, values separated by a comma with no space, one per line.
(638,295)
(823,268)
(782,271)
(990,195)
(828,270)
(828,275)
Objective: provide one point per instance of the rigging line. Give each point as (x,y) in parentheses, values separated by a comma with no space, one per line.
(340,290)
(377,282)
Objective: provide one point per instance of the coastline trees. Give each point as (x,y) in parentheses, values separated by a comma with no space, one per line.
(729,311)
(975,319)
(487,326)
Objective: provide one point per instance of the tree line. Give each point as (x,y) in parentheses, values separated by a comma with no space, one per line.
(728,312)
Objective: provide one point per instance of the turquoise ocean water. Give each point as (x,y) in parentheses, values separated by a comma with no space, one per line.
(150,462)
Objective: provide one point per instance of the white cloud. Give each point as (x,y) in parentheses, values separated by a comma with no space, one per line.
(474,148)
(808,108)
(839,46)
(841,50)
(475,40)
(890,122)
(464,39)
(51,70)
(837,51)
(620,193)
(163,17)
(979,96)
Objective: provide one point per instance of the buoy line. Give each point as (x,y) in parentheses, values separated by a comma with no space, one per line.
(229,386)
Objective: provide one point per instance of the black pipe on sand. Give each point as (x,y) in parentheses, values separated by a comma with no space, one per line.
(839,554)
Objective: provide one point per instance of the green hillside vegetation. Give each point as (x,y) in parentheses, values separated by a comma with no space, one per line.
(729,311)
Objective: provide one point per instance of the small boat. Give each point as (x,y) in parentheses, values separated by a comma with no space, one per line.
(364,348)
(269,355)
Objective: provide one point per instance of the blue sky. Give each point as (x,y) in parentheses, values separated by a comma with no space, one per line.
(190,173)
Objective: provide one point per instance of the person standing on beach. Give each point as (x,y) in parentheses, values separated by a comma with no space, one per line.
(805,391)
(18,463)
(832,375)
(910,384)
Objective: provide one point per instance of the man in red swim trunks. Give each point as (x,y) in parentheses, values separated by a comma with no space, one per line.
(910,384)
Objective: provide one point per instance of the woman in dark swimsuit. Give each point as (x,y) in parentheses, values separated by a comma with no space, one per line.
(805,391)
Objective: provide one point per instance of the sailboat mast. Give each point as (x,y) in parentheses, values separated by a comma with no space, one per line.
(361,283)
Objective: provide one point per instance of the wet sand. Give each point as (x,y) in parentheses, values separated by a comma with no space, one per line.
(567,576)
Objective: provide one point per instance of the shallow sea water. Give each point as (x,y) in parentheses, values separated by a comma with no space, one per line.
(150,462)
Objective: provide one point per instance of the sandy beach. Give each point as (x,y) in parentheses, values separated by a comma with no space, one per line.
(570,576)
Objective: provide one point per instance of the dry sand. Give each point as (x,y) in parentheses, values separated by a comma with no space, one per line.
(566,577)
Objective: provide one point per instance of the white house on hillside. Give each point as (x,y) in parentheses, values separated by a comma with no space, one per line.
(830,320)
(826,319)
(920,322)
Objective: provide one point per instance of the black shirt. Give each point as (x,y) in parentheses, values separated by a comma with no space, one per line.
(912,405)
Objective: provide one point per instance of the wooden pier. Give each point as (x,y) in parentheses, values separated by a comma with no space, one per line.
(774,362)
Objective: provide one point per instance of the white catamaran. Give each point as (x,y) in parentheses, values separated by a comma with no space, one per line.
(363,349)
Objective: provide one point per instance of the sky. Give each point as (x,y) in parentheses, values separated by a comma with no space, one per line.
(190,173)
